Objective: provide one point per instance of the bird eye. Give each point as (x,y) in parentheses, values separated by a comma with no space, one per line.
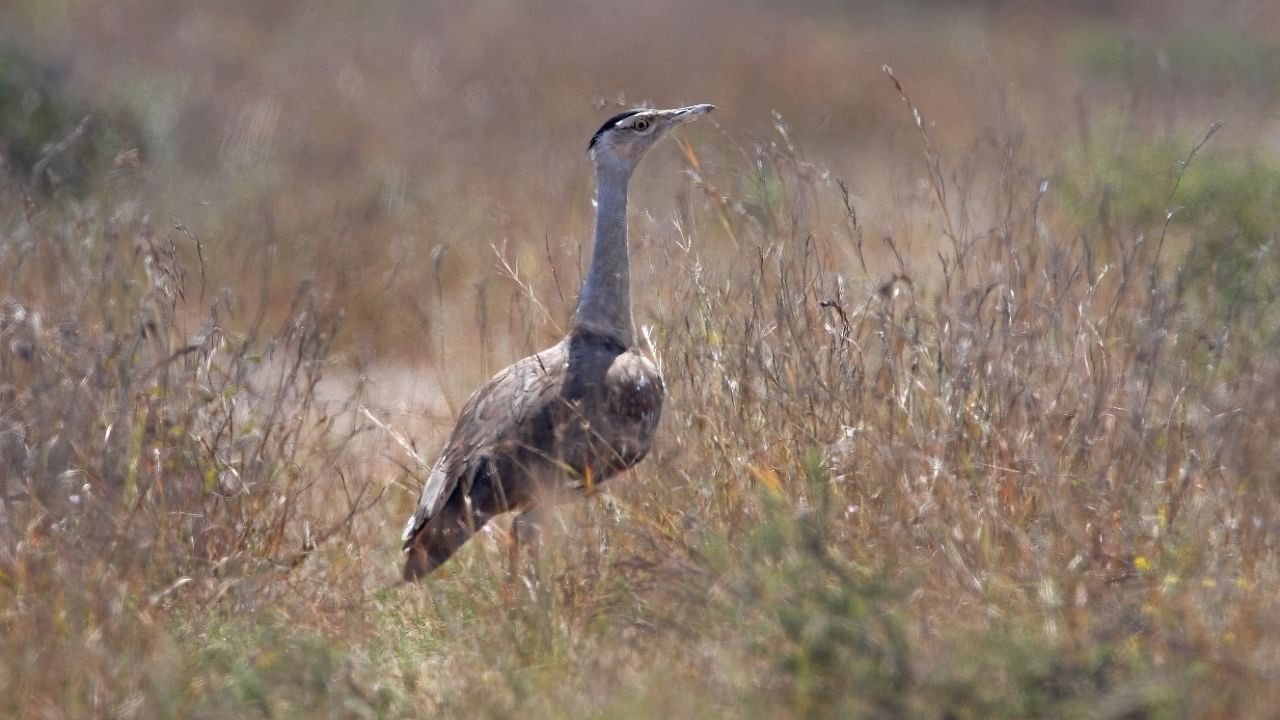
(640,125)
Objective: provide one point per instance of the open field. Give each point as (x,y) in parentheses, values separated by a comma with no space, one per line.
(973,392)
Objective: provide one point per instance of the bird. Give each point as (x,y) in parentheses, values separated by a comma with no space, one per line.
(559,422)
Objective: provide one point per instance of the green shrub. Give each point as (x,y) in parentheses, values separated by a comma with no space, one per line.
(1221,209)
(47,132)
(1206,59)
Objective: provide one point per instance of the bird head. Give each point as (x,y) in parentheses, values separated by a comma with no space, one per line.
(626,137)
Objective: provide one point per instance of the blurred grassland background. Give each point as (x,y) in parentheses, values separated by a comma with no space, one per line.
(975,418)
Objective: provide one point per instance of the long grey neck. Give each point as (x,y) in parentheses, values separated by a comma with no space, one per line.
(605,304)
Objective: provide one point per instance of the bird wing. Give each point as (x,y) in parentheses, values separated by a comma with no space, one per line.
(493,420)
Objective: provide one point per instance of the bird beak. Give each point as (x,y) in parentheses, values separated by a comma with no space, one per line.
(676,117)
(693,112)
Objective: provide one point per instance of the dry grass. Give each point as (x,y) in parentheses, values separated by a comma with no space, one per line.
(972,407)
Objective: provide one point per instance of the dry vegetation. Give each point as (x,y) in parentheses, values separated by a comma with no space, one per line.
(972,411)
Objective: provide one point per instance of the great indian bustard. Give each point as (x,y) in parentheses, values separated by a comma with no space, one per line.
(557,422)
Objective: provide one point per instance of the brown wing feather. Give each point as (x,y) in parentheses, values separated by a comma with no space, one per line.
(490,423)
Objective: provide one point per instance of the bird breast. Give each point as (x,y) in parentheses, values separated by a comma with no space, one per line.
(635,395)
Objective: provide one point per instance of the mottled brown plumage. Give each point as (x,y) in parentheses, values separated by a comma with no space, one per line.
(556,423)
(577,412)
